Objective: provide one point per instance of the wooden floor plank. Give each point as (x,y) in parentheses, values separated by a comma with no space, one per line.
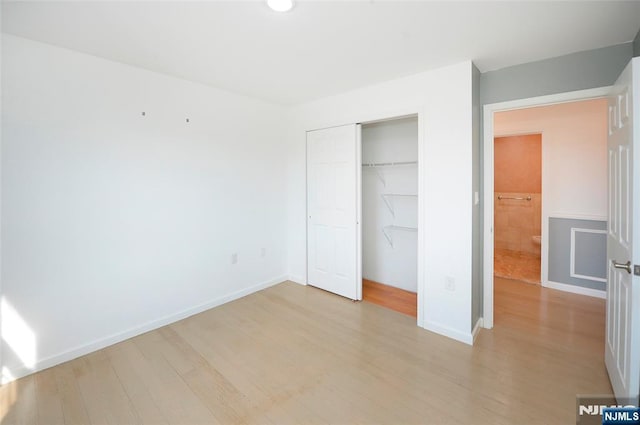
(23,409)
(71,399)
(124,357)
(104,397)
(213,389)
(8,397)
(49,400)
(176,400)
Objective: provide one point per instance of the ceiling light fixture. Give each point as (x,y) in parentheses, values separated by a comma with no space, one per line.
(280,5)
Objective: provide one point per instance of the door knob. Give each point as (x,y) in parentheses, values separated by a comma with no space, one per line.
(624,266)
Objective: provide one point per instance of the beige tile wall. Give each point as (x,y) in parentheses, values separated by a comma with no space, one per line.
(515,222)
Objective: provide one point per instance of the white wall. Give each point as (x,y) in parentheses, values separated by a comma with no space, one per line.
(115,223)
(574,159)
(443,100)
(383,142)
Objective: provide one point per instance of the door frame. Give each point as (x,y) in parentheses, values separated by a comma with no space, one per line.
(488,176)
(390,115)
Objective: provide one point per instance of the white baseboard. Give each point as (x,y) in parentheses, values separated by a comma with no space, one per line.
(301,280)
(575,289)
(476,329)
(73,353)
(467,338)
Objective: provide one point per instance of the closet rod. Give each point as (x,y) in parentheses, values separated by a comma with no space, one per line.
(383,164)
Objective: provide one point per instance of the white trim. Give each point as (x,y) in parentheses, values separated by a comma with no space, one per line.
(73,353)
(488,194)
(552,99)
(421,225)
(575,289)
(572,254)
(574,216)
(476,329)
(488,111)
(464,337)
(358,212)
(306,209)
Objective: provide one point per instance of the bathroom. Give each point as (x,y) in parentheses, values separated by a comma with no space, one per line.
(517,207)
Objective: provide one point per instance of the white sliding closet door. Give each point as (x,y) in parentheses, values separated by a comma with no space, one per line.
(333,167)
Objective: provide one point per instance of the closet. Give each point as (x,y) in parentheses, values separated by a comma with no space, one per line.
(390,213)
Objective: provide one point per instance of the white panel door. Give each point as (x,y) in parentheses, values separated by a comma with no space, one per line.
(622,346)
(332,210)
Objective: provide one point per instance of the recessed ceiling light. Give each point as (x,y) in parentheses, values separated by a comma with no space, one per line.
(280,5)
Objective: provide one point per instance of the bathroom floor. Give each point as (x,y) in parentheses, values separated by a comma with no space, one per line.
(517,265)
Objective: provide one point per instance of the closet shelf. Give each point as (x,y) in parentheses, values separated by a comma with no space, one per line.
(386,230)
(389,164)
(386,197)
(376,165)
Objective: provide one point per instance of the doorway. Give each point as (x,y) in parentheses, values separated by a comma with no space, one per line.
(390,213)
(557,202)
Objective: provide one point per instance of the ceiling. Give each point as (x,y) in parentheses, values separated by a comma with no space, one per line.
(319,48)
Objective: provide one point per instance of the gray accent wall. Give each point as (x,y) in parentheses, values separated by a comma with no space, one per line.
(636,45)
(589,248)
(476,265)
(577,71)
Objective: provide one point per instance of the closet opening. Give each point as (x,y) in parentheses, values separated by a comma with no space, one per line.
(390,213)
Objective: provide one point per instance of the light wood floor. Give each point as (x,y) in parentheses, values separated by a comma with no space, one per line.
(396,299)
(293,355)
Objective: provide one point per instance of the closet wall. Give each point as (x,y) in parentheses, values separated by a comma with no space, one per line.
(390,202)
